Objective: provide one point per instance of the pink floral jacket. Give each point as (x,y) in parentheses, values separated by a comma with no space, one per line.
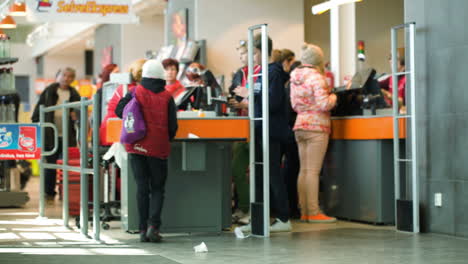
(310,98)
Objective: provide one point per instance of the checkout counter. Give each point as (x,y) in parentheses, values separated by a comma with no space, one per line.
(358,178)
(198,187)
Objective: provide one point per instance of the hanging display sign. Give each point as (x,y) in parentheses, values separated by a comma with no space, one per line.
(20,141)
(93,11)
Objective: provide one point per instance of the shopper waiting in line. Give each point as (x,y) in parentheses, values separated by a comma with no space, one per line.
(290,169)
(239,87)
(148,156)
(105,74)
(275,56)
(171,69)
(240,159)
(55,94)
(135,72)
(103,78)
(239,76)
(287,59)
(311,99)
(278,136)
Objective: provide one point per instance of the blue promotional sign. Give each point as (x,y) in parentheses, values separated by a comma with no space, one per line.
(20,141)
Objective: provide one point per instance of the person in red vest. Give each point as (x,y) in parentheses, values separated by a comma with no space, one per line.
(148,156)
(240,159)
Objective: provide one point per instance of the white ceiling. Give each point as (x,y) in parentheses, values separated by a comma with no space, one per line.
(150,7)
(74,46)
(78,43)
(21,20)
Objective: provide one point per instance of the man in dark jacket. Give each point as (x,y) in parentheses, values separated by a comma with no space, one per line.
(56,94)
(278,127)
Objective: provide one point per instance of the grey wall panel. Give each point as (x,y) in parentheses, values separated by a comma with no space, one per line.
(105,36)
(461,214)
(457,79)
(436,22)
(440,143)
(459,155)
(442,219)
(437,86)
(441,58)
(456,22)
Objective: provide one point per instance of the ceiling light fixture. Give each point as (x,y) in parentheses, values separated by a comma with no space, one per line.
(8,23)
(18,9)
(325,6)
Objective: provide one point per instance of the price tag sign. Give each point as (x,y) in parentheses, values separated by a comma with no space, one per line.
(20,141)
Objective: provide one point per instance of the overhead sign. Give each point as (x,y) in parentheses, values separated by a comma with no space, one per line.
(20,141)
(94,11)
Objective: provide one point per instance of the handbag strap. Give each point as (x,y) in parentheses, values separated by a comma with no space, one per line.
(133,92)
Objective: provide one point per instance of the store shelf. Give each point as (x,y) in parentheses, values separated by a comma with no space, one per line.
(8,60)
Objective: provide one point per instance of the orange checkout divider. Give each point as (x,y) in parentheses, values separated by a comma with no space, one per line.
(344,128)
(366,128)
(204,128)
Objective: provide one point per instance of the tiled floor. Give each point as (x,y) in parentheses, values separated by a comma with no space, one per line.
(24,239)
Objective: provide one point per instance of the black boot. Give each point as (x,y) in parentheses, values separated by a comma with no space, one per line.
(153,234)
(143,237)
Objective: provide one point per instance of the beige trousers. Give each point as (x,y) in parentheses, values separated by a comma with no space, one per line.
(312,148)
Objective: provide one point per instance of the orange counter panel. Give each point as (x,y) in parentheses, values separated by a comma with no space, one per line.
(347,129)
(203,128)
(366,128)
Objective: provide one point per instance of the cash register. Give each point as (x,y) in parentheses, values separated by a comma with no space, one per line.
(206,97)
(361,96)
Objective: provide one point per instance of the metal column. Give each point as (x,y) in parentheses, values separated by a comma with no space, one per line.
(96,180)
(84,187)
(42,161)
(44,154)
(411,116)
(265,125)
(65,124)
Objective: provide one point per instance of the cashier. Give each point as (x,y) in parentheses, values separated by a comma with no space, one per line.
(387,84)
(171,69)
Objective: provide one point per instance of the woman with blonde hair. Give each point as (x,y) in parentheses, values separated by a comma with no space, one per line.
(135,70)
(312,101)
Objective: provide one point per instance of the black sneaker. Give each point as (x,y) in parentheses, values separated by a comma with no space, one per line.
(143,237)
(153,235)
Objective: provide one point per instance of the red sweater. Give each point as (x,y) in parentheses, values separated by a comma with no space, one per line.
(113,102)
(175,88)
(387,84)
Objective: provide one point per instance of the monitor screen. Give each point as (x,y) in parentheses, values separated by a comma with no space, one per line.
(363,92)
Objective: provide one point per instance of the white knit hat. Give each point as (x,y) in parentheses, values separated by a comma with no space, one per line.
(312,55)
(153,69)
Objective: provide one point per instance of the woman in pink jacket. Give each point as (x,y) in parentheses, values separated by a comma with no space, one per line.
(312,101)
